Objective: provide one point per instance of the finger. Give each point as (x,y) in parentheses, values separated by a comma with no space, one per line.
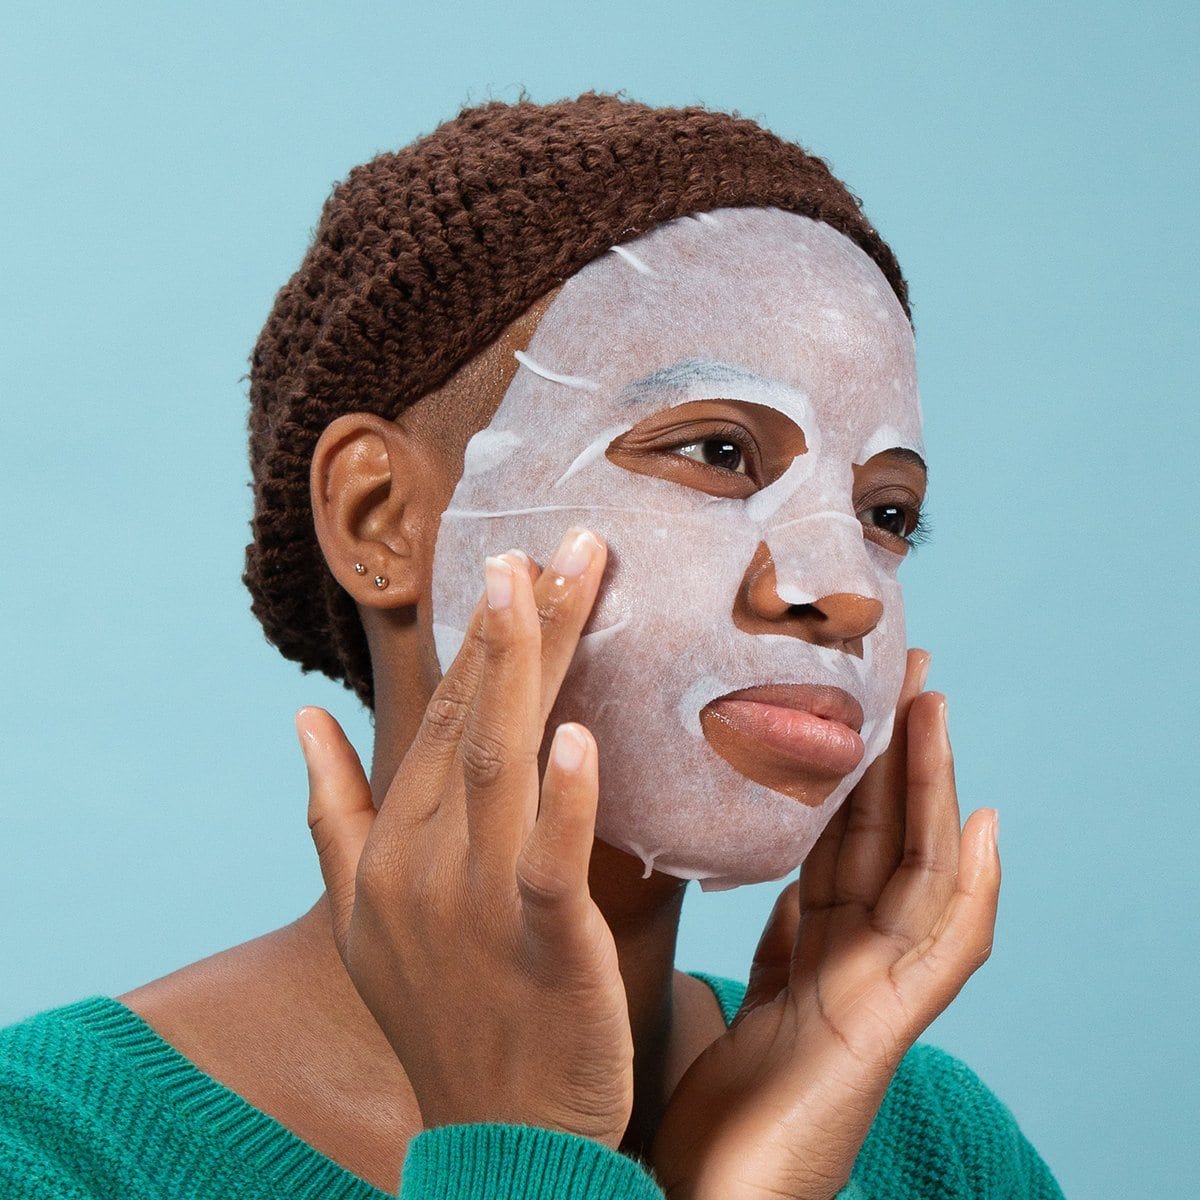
(340,809)
(530,566)
(923,882)
(771,965)
(933,972)
(818,897)
(434,748)
(874,841)
(552,867)
(565,594)
(818,871)
(500,738)
(435,744)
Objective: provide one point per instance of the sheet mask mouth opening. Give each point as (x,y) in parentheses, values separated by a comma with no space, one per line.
(781,747)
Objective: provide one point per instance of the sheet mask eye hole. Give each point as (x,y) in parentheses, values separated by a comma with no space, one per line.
(715,452)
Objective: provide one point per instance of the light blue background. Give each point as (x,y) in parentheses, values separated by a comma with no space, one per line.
(1033,168)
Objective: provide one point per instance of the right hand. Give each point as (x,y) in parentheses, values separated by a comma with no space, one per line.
(461,907)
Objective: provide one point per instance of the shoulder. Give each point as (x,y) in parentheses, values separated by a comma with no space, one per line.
(942,1128)
(51,1146)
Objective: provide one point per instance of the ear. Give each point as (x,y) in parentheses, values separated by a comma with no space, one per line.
(372,488)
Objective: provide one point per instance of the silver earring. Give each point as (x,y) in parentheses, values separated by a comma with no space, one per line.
(381,581)
(359,569)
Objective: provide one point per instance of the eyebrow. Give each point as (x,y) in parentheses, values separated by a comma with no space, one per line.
(689,370)
(907,456)
(710,370)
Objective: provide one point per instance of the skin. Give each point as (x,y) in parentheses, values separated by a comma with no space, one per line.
(345,1025)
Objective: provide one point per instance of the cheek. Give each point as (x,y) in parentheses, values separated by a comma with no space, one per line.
(669,571)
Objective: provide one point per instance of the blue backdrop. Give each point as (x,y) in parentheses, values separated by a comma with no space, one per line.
(1033,166)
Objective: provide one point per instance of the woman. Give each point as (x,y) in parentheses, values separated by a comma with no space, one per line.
(705,679)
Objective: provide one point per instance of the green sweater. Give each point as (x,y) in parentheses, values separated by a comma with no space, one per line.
(94,1105)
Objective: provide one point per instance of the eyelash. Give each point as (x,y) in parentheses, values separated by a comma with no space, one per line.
(922,533)
(721,433)
(919,535)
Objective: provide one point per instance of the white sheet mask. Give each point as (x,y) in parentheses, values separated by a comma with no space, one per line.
(751,304)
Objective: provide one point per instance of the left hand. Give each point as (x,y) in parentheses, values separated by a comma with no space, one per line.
(892,913)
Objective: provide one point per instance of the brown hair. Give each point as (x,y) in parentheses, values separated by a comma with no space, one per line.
(423,256)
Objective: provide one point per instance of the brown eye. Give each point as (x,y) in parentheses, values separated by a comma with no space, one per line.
(898,521)
(715,452)
(889,517)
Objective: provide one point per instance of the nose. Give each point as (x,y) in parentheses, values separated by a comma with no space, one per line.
(839,619)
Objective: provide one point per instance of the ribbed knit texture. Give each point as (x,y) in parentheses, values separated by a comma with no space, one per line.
(94,1105)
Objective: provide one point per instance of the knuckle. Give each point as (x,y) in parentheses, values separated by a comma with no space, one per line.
(445,716)
(553,604)
(380,882)
(932,772)
(927,860)
(477,635)
(541,884)
(322,836)
(963,958)
(484,759)
(371,887)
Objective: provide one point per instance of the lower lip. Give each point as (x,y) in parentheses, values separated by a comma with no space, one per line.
(799,737)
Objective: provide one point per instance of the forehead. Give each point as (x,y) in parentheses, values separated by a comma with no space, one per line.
(740,302)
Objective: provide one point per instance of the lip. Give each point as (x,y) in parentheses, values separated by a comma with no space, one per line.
(801,727)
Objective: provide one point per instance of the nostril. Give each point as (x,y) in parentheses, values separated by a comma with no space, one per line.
(846,616)
(840,619)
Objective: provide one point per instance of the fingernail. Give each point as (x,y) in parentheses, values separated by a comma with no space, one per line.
(569,748)
(519,555)
(498,576)
(300,720)
(923,673)
(574,553)
(946,716)
(994,829)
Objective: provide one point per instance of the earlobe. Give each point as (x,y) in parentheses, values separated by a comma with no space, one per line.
(366,484)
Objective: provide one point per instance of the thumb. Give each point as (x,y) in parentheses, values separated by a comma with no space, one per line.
(340,809)
(770,969)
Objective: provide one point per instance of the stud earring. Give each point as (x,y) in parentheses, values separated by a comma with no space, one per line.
(381,581)
(359,569)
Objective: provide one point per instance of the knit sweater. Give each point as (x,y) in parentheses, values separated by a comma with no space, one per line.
(94,1105)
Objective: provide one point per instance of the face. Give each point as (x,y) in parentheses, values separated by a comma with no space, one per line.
(730,401)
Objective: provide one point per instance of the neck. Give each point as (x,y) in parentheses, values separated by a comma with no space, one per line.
(643,915)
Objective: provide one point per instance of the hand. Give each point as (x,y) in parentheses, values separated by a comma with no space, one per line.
(461,908)
(891,915)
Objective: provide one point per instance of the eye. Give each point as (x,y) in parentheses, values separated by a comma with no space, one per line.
(890,517)
(899,522)
(715,452)
(728,449)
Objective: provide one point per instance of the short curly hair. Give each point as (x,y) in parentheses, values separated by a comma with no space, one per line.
(423,256)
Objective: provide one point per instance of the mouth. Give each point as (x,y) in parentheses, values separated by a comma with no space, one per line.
(781,727)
